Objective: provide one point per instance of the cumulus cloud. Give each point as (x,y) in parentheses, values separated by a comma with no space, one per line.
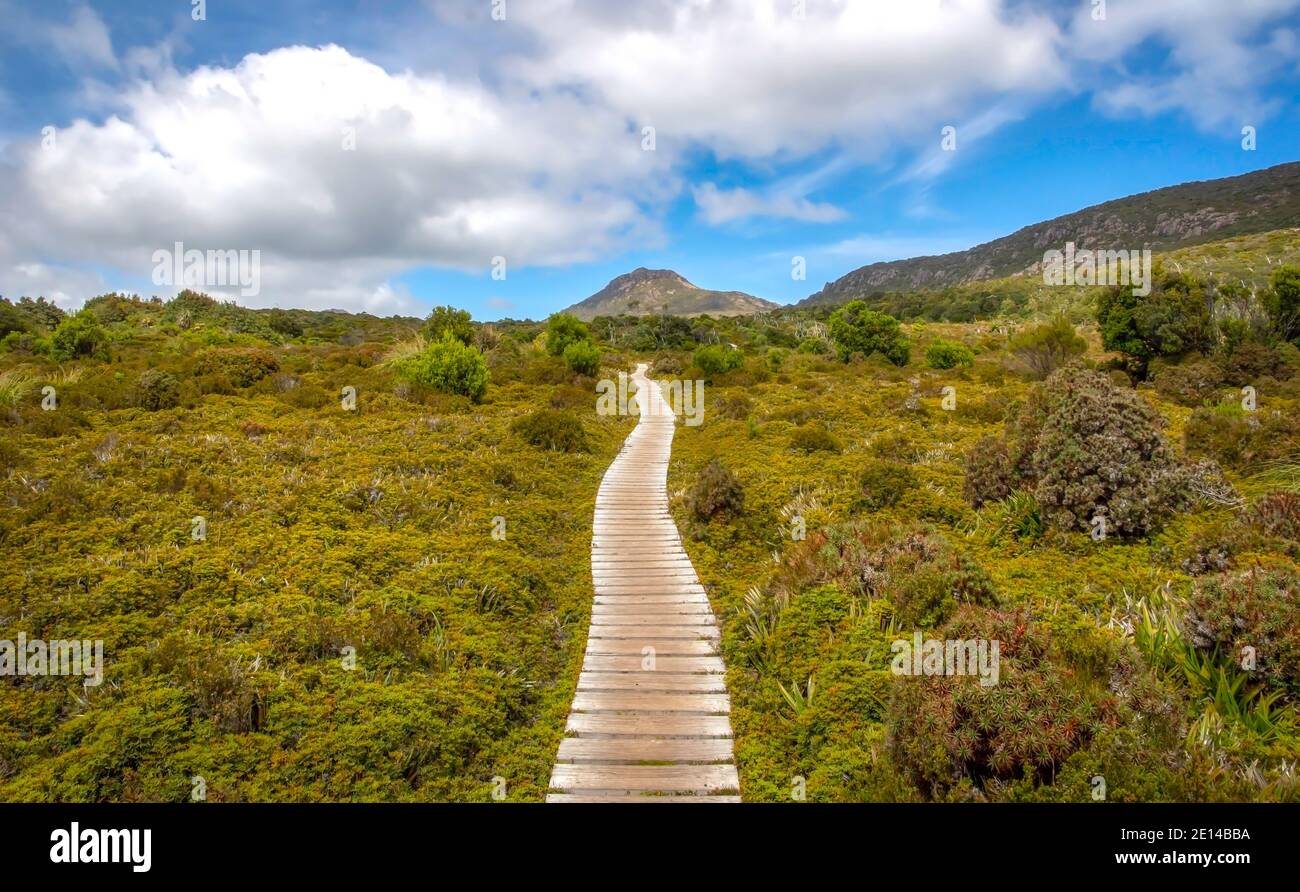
(540,159)
(1219,55)
(753,80)
(332,166)
(723,206)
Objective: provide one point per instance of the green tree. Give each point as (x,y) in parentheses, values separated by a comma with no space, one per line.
(1173,320)
(11,318)
(856,328)
(283,322)
(563,329)
(583,357)
(448,365)
(448,319)
(948,355)
(79,335)
(43,312)
(1283,301)
(1043,349)
(717,359)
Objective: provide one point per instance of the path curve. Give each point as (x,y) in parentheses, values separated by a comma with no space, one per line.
(650,720)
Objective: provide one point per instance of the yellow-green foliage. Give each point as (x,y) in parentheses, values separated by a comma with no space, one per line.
(807,625)
(326,529)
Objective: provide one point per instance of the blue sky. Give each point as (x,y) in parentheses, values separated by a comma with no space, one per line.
(777,134)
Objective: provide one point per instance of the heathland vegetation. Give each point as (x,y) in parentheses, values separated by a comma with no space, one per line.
(342,557)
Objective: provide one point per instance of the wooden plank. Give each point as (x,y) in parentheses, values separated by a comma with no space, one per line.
(657,681)
(635,798)
(634,750)
(652,725)
(651,778)
(626,618)
(648,587)
(676,665)
(698,608)
(660,631)
(650,701)
(662,647)
(679,600)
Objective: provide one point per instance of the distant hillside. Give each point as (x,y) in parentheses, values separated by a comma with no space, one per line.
(1173,217)
(649,292)
(1245,260)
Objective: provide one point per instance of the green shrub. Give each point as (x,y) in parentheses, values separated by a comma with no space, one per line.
(855,328)
(1173,320)
(12,319)
(1084,447)
(948,731)
(570,396)
(1257,608)
(583,357)
(157,390)
(736,407)
(814,438)
(553,429)
(814,346)
(43,313)
(1250,361)
(716,493)
(1283,300)
(241,366)
(1042,349)
(667,364)
(564,329)
(923,577)
(448,319)
(1238,438)
(717,359)
(1276,514)
(78,336)
(447,365)
(883,484)
(1018,516)
(948,355)
(1100,451)
(1189,383)
(895,445)
(989,472)
(285,323)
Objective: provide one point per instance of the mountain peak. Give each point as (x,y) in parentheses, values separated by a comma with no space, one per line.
(649,292)
(642,274)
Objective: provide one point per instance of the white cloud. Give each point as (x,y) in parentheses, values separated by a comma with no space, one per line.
(252,157)
(85,39)
(751,81)
(1219,56)
(539,159)
(83,42)
(66,286)
(724,206)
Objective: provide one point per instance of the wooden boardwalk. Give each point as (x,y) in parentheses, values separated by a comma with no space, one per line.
(649,722)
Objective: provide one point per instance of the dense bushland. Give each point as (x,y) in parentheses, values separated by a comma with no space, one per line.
(344,625)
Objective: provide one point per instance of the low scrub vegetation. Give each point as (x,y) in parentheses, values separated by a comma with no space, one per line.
(335,557)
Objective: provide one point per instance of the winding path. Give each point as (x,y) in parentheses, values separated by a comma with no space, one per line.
(649,721)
